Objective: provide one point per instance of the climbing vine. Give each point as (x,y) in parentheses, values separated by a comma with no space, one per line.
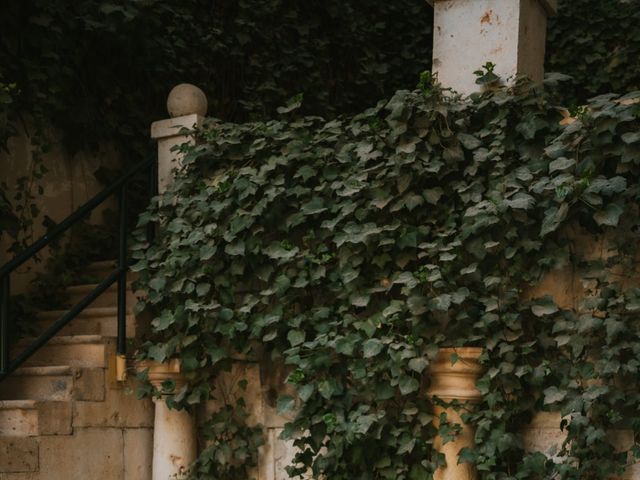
(350,250)
(596,43)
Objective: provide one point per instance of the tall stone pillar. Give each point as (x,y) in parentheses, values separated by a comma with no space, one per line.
(469,33)
(174,431)
(449,382)
(187,106)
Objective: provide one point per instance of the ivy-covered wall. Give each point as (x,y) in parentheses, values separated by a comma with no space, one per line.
(351,249)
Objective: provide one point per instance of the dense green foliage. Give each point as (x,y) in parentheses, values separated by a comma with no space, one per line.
(100,71)
(352,249)
(598,44)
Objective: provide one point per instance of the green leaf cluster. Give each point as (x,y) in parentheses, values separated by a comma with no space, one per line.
(352,249)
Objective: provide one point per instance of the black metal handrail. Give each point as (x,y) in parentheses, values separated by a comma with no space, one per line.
(119,274)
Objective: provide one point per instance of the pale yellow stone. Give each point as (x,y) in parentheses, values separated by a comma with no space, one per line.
(76,350)
(120,408)
(18,418)
(138,453)
(20,476)
(54,418)
(89,385)
(90,453)
(18,454)
(38,383)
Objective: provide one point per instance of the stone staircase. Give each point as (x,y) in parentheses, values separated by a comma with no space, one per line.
(63,415)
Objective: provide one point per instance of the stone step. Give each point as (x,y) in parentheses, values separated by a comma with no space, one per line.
(100,270)
(18,418)
(91,321)
(73,350)
(38,383)
(29,418)
(109,298)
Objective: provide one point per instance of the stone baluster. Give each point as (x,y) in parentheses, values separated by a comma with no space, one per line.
(449,382)
(175,444)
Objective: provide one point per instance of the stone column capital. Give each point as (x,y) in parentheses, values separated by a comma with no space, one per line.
(158,373)
(456,381)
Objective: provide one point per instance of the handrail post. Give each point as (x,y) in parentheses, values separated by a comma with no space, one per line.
(4,324)
(175,442)
(122,285)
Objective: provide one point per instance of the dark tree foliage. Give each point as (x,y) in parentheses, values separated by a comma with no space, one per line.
(100,71)
(597,43)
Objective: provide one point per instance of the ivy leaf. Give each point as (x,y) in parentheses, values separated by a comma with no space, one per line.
(631,137)
(285,404)
(371,347)
(469,141)
(553,217)
(544,306)
(418,364)
(560,164)
(314,206)
(296,337)
(609,216)
(408,385)
(157,352)
(158,283)
(553,395)
(305,392)
(235,248)
(520,200)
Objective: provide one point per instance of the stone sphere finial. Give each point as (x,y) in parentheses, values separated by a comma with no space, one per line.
(186,99)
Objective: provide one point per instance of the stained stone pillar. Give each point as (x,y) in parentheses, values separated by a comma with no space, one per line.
(174,431)
(187,106)
(469,33)
(449,382)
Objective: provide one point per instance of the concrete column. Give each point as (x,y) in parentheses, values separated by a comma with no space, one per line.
(187,106)
(449,382)
(469,33)
(175,444)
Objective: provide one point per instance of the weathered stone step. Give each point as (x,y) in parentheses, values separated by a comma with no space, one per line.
(28,418)
(101,321)
(72,350)
(109,297)
(18,418)
(38,383)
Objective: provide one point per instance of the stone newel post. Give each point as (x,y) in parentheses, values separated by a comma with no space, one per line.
(187,106)
(449,382)
(469,33)
(174,431)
